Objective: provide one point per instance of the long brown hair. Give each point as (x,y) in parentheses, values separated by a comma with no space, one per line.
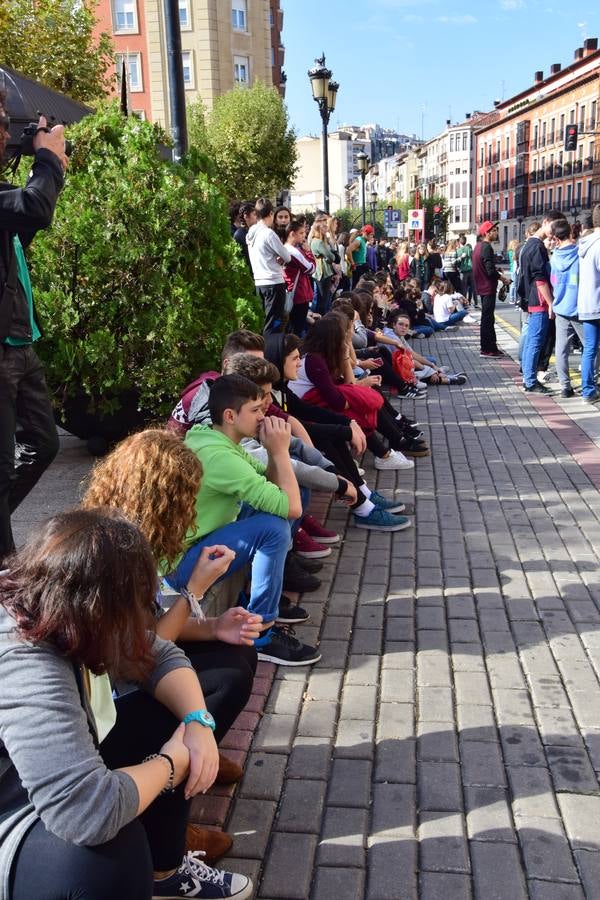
(154,479)
(327,338)
(85,584)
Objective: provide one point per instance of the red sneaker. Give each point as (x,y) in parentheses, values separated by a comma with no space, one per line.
(309,549)
(316,530)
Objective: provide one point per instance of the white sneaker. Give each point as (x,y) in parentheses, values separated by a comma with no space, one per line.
(395,460)
(469,320)
(421,386)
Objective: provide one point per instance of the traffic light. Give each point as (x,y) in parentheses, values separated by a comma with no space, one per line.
(571,138)
(437,219)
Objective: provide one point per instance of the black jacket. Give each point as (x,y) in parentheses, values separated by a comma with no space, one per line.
(23,212)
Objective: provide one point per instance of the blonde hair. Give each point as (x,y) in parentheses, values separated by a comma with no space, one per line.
(154,479)
(401,252)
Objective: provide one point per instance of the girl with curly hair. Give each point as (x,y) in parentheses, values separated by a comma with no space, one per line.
(154,479)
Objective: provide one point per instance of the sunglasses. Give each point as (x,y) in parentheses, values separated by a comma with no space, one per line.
(5,122)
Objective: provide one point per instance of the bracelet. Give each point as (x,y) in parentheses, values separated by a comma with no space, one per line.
(194,603)
(170,786)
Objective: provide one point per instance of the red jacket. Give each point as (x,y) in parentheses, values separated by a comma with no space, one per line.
(302,271)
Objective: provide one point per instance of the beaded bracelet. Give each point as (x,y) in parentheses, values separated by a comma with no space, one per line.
(170,786)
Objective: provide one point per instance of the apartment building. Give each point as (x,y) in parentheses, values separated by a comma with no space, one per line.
(224,43)
(522,166)
(342,149)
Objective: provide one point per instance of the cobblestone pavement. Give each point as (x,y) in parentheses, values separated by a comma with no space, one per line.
(447,745)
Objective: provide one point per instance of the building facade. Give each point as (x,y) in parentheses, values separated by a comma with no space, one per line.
(224,43)
(523,168)
(307,192)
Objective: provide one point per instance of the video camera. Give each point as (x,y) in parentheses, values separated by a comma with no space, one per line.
(25,146)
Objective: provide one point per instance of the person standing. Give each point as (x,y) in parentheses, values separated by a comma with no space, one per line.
(588,306)
(28,436)
(357,251)
(298,279)
(267,256)
(247,217)
(486,277)
(564,277)
(450,266)
(324,257)
(464,261)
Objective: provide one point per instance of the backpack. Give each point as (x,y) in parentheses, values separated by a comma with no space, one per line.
(403,365)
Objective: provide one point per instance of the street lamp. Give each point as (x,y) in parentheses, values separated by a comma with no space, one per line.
(574,212)
(324,92)
(362,164)
(520,221)
(373,207)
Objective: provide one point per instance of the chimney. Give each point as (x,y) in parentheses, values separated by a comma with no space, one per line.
(590,46)
(538,77)
(579,54)
(555,68)
(497,103)
(467,116)
(448,121)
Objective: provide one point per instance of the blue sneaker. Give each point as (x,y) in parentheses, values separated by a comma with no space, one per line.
(381,520)
(194,878)
(381,502)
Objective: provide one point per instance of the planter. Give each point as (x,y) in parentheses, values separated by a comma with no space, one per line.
(101,431)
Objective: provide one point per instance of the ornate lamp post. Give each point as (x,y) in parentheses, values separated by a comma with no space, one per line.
(373,207)
(519,233)
(574,212)
(324,92)
(362,164)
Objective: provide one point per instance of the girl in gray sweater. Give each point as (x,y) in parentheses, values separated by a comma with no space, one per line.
(83,807)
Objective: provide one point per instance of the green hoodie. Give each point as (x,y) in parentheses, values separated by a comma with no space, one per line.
(231,477)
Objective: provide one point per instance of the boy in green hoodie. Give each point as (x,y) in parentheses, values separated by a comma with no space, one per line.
(247,506)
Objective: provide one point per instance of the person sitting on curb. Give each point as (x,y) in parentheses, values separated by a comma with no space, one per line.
(159,493)
(95,789)
(246,506)
(425,368)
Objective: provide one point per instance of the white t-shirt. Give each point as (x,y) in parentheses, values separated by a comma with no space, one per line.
(442,307)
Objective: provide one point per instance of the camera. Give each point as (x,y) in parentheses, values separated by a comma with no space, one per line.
(26,141)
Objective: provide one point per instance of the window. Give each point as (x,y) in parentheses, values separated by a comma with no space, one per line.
(451,191)
(239,15)
(559,191)
(465,146)
(507,150)
(451,143)
(184,14)
(550,196)
(133,63)
(241,70)
(463,214)
(593,115)
(125,15)
(464,188)
(139,114)
(188,69)
(582,117)
(457,213)
(272,55)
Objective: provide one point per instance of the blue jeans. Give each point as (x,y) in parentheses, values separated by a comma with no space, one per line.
(259,538)
(534,342)
(457,317)
(427,330)
(591,340)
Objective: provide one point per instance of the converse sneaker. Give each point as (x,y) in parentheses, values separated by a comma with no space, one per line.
(381,502)
(286,650)
(395,460)
(381,520)
(307,548)
(194,878)
(290,613)
(314,528)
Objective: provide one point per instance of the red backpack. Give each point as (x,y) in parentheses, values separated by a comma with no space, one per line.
(404,367)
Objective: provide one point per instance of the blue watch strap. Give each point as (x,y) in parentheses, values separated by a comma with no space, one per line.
(202,716)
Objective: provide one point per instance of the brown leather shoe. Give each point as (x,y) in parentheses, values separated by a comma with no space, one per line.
(214,844)
(229,772)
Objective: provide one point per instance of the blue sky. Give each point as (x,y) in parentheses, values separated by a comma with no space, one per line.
(412,63)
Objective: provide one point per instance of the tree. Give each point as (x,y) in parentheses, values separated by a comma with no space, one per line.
(248,136)
(52,41)
(138,280)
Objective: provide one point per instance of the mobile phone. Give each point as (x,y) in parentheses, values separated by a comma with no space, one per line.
(378,360)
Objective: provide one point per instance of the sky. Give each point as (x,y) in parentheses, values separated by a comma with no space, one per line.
(412,64)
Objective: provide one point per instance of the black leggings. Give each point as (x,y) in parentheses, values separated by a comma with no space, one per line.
(325,438)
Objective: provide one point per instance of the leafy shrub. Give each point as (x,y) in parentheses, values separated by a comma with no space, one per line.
(137,281)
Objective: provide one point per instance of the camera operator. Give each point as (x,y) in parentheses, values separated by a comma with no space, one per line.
(28,437)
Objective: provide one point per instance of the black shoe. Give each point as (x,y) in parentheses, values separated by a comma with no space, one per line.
(290,613)
(286,650)
(296,578)
(457,379)
(309,565)
(537,388)
(567,392)
(593,398)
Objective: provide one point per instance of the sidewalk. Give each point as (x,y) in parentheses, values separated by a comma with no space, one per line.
(447,745)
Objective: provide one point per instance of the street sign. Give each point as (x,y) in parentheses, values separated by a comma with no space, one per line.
(391,217)
(416,220)
(401,230)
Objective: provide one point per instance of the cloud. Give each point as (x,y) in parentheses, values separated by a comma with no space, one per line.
(509,5)
(456,20)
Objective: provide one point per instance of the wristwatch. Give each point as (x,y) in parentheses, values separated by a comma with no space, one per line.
(202,716)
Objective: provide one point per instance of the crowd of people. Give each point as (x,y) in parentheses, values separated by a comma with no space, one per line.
(117,689)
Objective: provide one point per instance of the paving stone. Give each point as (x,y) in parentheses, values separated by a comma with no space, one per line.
(275,733)
(263,776)
(354,739)
(477,722)
(444,886)
(343,838)
(367,640)
(521,746)
(443,843)
(588,864)
(397,686)
(324,685)
(394,812)
(437,741)
(309,756)
(398,655)
(396,721)
(545,849)
(301,806)
(488,814)
(363,669)
(318,718)
(250,826)
(544,890)
(289,866)
(472,688)
(332,882)
(439,786)
(396,761)
(571,769)
(482,763)
(435,704)
(497,872)
(532,791)
(285,697)
(359,702)
(580,815)
(350,783)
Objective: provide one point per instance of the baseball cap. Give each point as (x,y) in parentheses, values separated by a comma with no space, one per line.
(367,229)
(353,231)
(485,227)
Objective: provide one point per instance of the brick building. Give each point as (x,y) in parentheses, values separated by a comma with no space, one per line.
(522,168)
(224,43)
